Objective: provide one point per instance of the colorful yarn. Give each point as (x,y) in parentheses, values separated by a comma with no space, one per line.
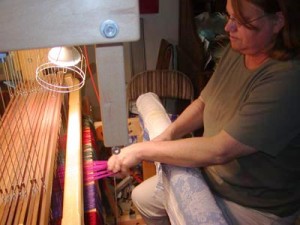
(92,218)
(92,198)
(93,206)
(56,201)
(96,170)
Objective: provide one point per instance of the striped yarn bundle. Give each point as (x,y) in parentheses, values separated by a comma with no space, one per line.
(93,210)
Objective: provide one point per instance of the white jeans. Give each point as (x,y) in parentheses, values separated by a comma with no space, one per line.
(153,212)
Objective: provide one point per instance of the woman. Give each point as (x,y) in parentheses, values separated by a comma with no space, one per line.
(250,112)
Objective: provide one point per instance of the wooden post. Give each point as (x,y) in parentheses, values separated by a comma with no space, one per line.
(111,80)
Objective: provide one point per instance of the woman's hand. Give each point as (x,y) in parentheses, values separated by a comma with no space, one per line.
(126,159)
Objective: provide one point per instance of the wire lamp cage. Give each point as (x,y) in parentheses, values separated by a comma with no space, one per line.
(65,70)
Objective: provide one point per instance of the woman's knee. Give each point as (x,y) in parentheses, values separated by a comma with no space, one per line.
(142,195)
(150,206)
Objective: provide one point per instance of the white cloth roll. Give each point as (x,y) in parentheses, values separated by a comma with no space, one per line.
(153,114)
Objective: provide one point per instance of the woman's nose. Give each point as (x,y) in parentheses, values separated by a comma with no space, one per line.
(230,26)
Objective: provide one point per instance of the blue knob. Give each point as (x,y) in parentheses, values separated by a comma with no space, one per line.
(109,29)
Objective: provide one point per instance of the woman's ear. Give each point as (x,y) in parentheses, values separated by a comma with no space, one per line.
(278,22)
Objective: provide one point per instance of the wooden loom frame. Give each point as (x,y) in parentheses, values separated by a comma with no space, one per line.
(23,195)
(39,24)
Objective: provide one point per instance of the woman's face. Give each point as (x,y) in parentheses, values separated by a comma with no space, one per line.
(246,41)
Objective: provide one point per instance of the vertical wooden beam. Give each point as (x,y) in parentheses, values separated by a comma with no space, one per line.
(111,81)
(73,190)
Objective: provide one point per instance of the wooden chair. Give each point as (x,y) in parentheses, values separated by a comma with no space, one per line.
(164,83)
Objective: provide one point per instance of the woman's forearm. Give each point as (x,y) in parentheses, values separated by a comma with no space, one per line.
(190,152)
(189,120)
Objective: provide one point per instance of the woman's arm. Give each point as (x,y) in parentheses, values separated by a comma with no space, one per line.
(188,121)
(188,152)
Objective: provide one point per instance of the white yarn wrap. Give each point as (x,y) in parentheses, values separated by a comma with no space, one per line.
(154,115)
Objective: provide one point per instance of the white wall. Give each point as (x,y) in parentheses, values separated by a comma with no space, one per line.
(161,25)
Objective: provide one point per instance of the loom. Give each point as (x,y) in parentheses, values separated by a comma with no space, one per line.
(34,24)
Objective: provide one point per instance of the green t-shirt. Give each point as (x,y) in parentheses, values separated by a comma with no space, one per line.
(259,108)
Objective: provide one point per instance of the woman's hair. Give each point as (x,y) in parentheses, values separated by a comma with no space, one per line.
(287,42)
